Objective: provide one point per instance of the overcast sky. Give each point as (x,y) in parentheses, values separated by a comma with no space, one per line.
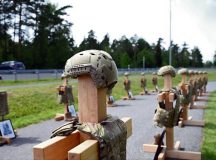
(193,21)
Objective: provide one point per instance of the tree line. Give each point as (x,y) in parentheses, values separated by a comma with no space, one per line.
(36,33)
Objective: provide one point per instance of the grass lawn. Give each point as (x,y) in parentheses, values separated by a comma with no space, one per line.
(209,139)
(37,102)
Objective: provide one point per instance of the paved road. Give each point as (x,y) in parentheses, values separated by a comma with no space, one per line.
(140,110)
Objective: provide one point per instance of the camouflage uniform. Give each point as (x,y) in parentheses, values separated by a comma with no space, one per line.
(155,83)
(143,83)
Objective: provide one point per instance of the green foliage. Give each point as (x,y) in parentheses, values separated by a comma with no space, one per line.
(32,104)
(124,60)
(214,59)
(209,143)
(52,44)
(37,100)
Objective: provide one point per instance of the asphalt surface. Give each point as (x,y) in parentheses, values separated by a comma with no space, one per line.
(140,110)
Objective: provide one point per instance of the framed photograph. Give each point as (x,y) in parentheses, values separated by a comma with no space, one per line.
(6,129)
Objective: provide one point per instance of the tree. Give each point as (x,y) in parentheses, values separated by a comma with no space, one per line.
(196,56)
(124,60)
(51,46)
(5,25)
(214,59)
(105,44)
(144,51)
(208,64)
(175,55)
(158,53)
(184,56)
(90,42)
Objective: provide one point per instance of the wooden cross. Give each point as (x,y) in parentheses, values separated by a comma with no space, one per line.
(127,82)
(184,115)
(79,146)
(192,106)
(171,150)
(67,115)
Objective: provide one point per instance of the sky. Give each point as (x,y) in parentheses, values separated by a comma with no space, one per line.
(193,21)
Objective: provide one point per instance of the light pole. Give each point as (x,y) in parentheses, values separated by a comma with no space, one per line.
(143,62)
(170,50)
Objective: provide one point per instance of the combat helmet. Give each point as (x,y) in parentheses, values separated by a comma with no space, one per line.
(196,72)
(200,72)
(191,72)
(97,63)
(143,73)
(167,70)
(126,73)
(154,73)
(183,71)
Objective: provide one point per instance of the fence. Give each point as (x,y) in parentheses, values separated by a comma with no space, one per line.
(56,73)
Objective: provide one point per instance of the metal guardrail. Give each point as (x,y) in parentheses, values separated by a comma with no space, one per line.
(56,73)
(30,74)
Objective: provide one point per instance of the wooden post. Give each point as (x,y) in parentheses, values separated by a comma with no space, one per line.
(91,101)
(169,106)
(184,89)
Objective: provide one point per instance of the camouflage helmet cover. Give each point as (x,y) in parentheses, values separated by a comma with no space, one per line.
(126,74)
(143,73)
(183,71)
(154,73)
(196,72)
(167,70)
(191,72)
(99,64)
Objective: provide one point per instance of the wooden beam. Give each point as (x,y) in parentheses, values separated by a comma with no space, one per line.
(128,123)
(56,148)
(183,154)
(173,153)
(177,145)
(162,155)
(59,116)
(91,101)
(198,107)
(194,123)
(180,124)
(202,99)
(87,150)
(151,147)
(112,105)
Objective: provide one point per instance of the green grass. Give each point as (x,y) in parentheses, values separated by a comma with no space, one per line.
(20,82)
(209,139)
(32,104)
(35,103)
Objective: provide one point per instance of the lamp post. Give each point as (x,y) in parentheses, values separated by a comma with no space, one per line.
(143,62)
(170,50)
